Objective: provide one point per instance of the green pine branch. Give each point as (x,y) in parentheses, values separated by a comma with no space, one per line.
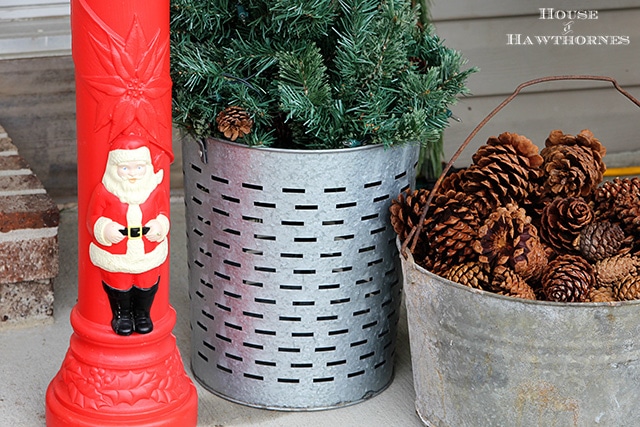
(314,73)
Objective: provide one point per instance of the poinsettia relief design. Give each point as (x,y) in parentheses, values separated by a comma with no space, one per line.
(131,81)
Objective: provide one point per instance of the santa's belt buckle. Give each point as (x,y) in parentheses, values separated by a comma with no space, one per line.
(134,232)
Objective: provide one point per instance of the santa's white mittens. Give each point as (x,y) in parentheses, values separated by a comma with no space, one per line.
(164,223)
(99,229)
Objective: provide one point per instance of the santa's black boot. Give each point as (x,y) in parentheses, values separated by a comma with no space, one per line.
(142,301)
(120,302)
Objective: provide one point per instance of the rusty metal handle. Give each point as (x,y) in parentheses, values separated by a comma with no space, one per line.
(415,231)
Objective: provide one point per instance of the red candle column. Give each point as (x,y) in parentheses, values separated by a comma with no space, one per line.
(123,366)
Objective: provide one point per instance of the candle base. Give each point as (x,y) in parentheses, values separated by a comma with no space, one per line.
(110,380)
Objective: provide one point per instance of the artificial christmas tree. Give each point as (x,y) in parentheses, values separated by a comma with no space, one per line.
(320,74)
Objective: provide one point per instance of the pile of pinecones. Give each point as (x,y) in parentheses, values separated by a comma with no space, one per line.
(528,224)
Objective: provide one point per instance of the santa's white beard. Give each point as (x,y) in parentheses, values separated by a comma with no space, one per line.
(130,193)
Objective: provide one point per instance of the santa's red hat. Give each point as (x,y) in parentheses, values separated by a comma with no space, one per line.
(129,148)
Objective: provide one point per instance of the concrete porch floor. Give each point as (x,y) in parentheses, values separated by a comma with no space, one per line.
(31,356)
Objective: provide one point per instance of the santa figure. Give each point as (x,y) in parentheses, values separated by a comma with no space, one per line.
(128,220)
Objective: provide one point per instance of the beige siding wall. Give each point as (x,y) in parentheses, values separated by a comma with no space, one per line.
(34,28)
(480,29)
(30,9)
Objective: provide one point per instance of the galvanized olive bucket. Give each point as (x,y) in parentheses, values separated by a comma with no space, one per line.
(482,359)
(293,274)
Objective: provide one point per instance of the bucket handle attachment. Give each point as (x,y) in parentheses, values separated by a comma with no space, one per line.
(415,231)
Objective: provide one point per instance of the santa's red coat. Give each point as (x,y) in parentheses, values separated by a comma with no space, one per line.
(137,256)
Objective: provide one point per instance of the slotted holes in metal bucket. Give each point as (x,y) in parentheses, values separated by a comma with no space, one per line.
(293,277)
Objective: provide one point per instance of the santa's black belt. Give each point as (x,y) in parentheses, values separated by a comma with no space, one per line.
(134,232)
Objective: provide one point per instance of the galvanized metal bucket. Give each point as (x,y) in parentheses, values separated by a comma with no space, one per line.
(294,282)
(482,359)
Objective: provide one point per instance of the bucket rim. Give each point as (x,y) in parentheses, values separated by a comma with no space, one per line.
(409,261)
(316,151)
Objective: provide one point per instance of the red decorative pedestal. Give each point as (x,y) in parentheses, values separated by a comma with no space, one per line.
(108,380)
(112,376)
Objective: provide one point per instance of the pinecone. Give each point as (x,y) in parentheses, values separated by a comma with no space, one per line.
(471,274)
(522,146)
(505,170)
(600,240)
(450,230)
(508,238)
(568,278)
(628,288)
(572,164)
(610,271)
(601,295)
(507,282)
(234,122)
(619,201)
(406,210)
(452,182)
(627,212)
(607,194)
(562,221)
